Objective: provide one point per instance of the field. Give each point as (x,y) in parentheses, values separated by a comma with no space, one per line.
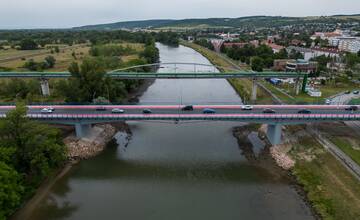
(331,189)
(63,58)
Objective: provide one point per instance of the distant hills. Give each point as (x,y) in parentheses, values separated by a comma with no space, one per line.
(241,22)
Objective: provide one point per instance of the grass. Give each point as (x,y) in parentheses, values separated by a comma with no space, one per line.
(332,190)
(347,147)
(355,102)
(63,59)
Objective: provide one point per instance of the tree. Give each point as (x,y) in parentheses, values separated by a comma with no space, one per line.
(56,49)
(90,79)
(351,60)
(28,44)
(37,148)
(31,65)
(11,190)
(151,54)
(50,61)
(257,64)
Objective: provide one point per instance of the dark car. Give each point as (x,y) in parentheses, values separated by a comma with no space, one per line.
(209,111)
(347,92)
(268,110)
(100,108)
(351,108)
(147,111)
(187,108)
(356,92)
(304,111)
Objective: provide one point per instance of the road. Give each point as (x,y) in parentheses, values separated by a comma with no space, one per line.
(176,109)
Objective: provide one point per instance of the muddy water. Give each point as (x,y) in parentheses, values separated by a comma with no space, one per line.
(174,171)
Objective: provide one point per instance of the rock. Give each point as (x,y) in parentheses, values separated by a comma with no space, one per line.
(91,146)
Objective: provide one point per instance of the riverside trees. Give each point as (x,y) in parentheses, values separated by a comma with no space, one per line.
(29,151)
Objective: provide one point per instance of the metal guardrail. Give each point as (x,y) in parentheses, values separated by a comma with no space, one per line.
(236,117)
(149,75)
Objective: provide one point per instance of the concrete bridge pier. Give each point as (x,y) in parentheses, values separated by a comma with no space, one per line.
(297,86)
(274,133)
(254,90)
(44,83)
(82,130)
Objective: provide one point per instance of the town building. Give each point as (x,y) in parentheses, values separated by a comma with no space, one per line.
(349,44)
(301,66)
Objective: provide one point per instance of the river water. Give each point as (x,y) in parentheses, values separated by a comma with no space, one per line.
(174,171)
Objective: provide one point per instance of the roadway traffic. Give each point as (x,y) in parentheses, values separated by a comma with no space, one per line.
(190,109)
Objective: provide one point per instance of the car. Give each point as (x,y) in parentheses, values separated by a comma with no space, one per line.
(100,108)
(347,92)
(147,111)
(247,107)
(187,108)
(117,111)
(351,108)
(269,111)
(328,101)
(46,111)
(356,92)
(304,111)
(51,108)
(208,111)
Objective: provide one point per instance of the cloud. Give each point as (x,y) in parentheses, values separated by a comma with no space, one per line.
(69,13)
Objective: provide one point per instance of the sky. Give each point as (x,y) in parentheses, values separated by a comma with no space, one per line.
(16,14)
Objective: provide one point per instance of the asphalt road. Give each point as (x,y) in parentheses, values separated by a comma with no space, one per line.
(198,109)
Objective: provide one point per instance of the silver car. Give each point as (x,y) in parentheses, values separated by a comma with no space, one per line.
(117,111)
(46,111)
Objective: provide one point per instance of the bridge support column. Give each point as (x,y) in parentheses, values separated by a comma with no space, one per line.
(44,83)
(82,130)
(297,86)
(254,90)
(274,133)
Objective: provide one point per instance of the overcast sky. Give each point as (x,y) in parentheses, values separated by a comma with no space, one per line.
(70,13)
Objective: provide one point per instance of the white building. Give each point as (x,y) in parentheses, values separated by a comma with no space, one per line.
(349,44)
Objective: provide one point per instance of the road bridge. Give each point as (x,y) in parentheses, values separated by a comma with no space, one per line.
(82,117)
(126,73)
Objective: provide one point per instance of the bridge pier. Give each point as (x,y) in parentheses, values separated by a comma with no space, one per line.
(274,133)
(297,86)
(44,83)
(82,130)
(254,90)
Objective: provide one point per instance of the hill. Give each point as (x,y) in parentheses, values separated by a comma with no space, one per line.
(241,22)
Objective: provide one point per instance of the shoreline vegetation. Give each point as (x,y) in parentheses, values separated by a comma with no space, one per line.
(326,186)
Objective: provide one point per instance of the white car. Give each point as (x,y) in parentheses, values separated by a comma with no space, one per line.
(51,108)
(46,111)
(117,111)
(247,107)
(328,101)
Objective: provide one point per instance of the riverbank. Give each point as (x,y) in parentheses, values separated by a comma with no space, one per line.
(331,191)
(242,86)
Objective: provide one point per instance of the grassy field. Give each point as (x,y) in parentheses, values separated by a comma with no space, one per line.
(331,189)
(349,146)
(63,58)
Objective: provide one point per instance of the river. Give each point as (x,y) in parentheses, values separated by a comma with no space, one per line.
(174,171)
